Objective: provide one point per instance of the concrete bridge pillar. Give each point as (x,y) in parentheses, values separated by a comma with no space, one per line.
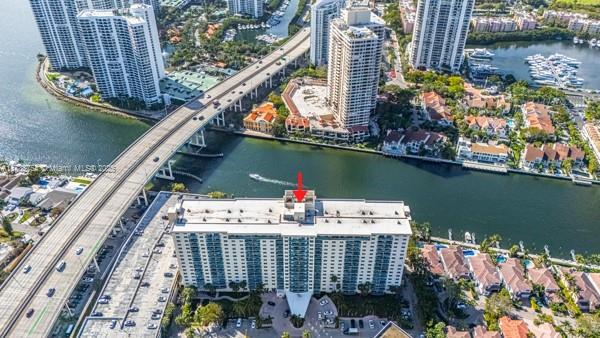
(166,171)
(198,139)
(96,264)
(270,82)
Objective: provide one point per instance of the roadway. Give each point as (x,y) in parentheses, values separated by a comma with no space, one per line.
(89,220)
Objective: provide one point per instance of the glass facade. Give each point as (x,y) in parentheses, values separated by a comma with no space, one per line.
(351,262)
(215,260)
(382,263)
(298,263)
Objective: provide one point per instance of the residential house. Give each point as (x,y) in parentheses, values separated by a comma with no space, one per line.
(435,109)
(413,142)
(261,118)
(454,263)
(430,254)
(484,274)
(479,99)
(57,198)
(544,277)
(482,152)
(392,330)
(537,116)
(492,126)
(551,153)
(586,295)
(481,331)
(513,277)
(297,124)
(19,195)
(452,332)
(544,330)
(513,328)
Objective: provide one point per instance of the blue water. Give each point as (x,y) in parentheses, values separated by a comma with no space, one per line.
(468,253)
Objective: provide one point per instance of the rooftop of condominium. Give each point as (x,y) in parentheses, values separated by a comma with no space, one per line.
(285,216)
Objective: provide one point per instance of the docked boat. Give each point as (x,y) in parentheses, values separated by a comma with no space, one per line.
(481,53)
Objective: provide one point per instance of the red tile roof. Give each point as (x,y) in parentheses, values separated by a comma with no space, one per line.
(513,328)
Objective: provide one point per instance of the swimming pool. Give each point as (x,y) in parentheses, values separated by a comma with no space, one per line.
(468,253)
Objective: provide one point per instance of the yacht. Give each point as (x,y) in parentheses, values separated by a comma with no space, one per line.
(481,53)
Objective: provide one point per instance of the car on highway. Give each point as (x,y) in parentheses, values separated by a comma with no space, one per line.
(79,251)
(168,274)
(26,268)
(50,292)
(61,266)
(103,301)
(88,280)
(97,314)
(156,159)
(243,84)
(134,309)
(30,313)
(145,284)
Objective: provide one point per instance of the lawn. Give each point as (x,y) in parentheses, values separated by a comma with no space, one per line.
(579,2)
(82,180)
(4,237)
(26,215)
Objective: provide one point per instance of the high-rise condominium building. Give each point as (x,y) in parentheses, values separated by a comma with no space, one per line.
(295,248)
(124,52)
(355,50)
(322,12)
(440,33)
(250,7)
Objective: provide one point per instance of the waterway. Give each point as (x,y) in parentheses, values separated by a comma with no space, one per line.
(536,210)
(36,127)
(510,58)
(280,30)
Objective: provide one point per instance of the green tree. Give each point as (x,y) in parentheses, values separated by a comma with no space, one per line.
(178,187)
(285,334)
(435,331)
(211,313)
(488,242)
(588,325)
(496,306)
(210,288)
(306,334)
(513,251)
(7,226)
(235,287)
(217,194)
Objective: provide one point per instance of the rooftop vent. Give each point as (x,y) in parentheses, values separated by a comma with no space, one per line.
(270,210)
(204,219)
(372,221)
(241,211)
(370,212)
(364,221)
(339,221)
(363,212)
(239,220)
(269,221)
(228,211)
(396,212)
(337,212)
(207,211)
(226,219)
(326,220)
(188,210)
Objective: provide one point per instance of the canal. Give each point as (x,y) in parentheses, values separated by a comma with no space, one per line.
(536,210)
(280,30)
(36,127)
(510,57)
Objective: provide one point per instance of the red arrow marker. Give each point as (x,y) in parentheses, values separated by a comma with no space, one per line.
(299,193)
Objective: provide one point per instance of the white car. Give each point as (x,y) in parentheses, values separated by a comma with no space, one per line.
(320,315)
(102,301)
(152,326)
(79,251)
(324,302)
(26,268)
(88,280)
(371,324)
(239,322)
(253,325)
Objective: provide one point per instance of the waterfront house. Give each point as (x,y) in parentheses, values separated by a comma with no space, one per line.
(261,118)
(430,253)
(435,109)
(513,328)
(297,124)
(513,277)
(492,126)
(413,142)
(586,294)
(551,154)
(484,273)
(544,330)
(537,116)
(481,331)
(544,277)
(482,152)
(478,99)
(19,195)
(452,332)
(454,263)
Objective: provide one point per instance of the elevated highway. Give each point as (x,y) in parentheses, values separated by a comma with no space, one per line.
(89,220)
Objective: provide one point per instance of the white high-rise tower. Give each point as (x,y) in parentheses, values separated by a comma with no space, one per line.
(355,50)
(250,7)
(124,52)
(322,12)
(440,34)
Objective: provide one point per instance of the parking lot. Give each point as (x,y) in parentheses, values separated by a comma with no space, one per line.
(135,296)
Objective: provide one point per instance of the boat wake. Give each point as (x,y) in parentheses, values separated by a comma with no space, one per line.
(259,178)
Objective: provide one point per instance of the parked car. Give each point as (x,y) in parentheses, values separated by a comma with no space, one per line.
(238,322)
(97,314)
(152,326)
(61,266)
(129,322)
(26,268)
(253,325)
(79,251)
(271,303)
(134,309)
(324,302)
(371,324)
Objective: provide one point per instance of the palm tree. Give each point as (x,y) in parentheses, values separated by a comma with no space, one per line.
(235,287)
(285,334)
(306,334)
(7,226)
(243,285)
(210,288)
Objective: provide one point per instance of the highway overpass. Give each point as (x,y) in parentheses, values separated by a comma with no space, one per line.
(89,220)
